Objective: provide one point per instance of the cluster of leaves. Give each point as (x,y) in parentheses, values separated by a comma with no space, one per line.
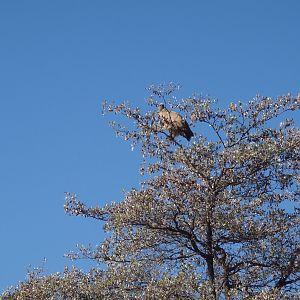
(217,218)
(118,282)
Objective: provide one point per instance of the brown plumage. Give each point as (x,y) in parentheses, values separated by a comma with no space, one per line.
(174,123)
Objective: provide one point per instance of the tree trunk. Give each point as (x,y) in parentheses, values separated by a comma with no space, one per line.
(210,261)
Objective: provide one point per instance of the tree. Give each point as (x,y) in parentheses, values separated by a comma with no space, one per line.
(215,218)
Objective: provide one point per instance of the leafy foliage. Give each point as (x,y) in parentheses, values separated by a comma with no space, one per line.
(216,218)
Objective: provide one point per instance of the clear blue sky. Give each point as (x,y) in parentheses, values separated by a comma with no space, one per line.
(60,58)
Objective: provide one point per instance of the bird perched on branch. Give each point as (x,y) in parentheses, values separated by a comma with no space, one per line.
(174,123)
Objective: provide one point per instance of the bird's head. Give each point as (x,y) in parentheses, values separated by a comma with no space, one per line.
(161,106)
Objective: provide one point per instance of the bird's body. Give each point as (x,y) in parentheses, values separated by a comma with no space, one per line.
(174,123)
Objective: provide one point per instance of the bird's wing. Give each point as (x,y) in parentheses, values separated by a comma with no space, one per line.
(176,119)
(171,119)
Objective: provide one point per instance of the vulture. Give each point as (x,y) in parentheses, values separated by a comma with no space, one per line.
(174,123)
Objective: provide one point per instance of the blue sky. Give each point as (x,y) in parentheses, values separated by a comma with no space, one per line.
(60,59)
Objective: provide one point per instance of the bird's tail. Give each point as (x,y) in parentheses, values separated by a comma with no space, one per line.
(188,134)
